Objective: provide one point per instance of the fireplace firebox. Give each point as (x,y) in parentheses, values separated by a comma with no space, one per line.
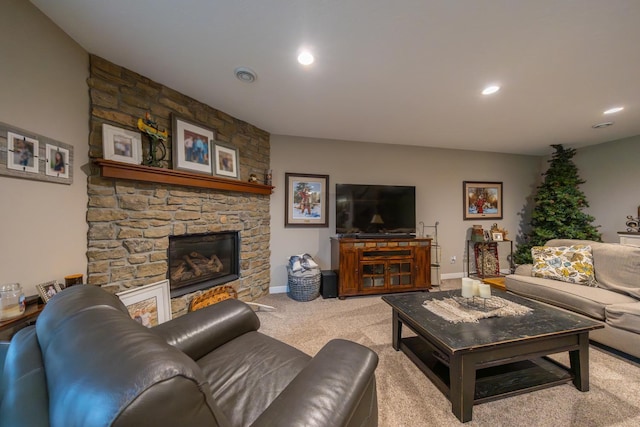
(202,261)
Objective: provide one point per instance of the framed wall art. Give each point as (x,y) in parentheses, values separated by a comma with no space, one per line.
(22,153)
(306,200)
(482,200)
(48,290)
(149,305)
(28,155)
(191,146)
(121,145)
(226,161)
(56,161)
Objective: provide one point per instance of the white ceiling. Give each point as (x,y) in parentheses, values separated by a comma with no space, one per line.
(398,72)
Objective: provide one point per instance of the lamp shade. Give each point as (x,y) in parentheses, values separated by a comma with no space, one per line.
(377,219)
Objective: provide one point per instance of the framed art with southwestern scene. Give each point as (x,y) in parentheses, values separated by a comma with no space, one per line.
(191,146)
(482,200)
(306,200)
(149,305)
(226,161)
(121,145)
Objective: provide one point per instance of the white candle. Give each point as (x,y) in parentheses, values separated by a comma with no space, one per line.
(485,291)
(467,288)
(476,288)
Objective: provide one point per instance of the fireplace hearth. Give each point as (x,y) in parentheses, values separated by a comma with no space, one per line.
(202,261)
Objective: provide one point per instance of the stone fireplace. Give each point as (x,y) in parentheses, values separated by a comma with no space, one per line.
(133,223)
(200,261)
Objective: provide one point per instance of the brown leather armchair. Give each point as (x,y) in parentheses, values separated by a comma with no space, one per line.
(87,363)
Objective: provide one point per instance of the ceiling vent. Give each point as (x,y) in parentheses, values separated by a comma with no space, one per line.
(245,74)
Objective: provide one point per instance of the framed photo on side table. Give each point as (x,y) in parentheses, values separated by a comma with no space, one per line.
(482,200)
(150,304)
(48,290)
(497,236)
(191,146)
(306,200)
(121,145)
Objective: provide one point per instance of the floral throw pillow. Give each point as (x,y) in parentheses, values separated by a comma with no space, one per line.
(573,264)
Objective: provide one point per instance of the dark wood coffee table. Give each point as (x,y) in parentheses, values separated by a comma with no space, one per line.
(472,363)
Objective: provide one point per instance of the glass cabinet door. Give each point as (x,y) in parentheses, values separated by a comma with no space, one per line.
(373,275)
(399,273)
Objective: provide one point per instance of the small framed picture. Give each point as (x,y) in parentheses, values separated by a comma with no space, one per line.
(150,304)
(121,145)
(48,290)
(57,161)
(22,153)
(191,146)
(497,236)
(226,162)
(306,200)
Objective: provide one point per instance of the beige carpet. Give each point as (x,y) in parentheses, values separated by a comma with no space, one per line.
(407,398)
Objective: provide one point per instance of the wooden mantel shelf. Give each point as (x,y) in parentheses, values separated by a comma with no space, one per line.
(111,169)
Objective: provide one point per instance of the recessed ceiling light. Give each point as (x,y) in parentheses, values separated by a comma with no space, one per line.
(490,89)
(602,125)
(245,74)
(306,58)
(614,110)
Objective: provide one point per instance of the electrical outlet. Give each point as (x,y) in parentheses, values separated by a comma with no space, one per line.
(453,259)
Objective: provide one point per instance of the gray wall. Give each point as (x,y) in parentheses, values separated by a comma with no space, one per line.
(43,90)
(612,187)
(437,174)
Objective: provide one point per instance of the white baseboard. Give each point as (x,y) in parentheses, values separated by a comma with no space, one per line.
(453,275)
(278,290)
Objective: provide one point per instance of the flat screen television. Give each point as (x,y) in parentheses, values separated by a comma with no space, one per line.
(375,210)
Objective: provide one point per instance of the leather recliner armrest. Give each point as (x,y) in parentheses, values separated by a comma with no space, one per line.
(199,332)
(329,390)
(4,348)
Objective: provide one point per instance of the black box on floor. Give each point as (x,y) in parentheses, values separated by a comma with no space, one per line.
(329,284)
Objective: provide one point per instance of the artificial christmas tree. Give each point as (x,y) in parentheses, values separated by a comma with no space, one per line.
(558,207)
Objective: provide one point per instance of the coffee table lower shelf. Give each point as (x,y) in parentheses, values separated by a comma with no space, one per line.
(493,382)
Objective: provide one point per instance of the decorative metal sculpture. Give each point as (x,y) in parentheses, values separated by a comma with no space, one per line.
(156,140)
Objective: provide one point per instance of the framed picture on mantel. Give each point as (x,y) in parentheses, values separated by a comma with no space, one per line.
(191,146)
(482,200)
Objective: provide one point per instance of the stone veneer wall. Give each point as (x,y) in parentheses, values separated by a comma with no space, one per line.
(130,222)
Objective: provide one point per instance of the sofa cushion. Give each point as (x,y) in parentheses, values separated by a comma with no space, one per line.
(573,264)
(579,298)
(249,372)
(624,316)
(616,266)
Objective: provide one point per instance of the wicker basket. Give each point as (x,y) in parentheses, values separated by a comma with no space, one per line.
(304,286)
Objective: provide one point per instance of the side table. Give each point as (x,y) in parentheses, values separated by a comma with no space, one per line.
(9,327)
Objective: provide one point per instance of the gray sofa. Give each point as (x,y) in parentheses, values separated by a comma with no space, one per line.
(614,301)
(87,363)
